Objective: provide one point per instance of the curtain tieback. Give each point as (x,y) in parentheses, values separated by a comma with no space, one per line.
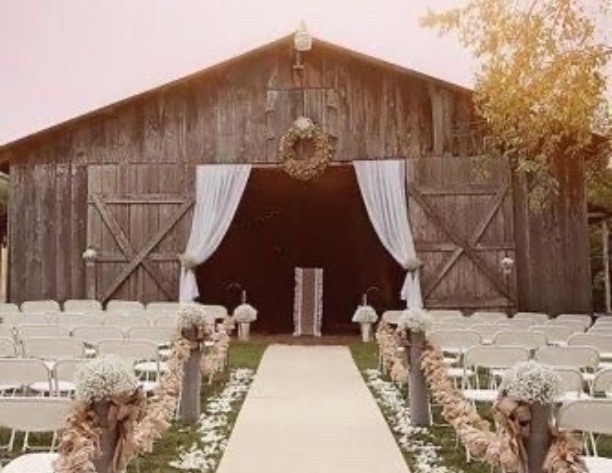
(413,264)
(187,261)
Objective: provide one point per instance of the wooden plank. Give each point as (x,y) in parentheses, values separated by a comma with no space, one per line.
(78,229)
(166,227)
(120,258)
(17,228)
(62,224)
(144,198)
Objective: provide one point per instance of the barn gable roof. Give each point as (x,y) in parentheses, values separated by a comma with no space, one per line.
(230,62)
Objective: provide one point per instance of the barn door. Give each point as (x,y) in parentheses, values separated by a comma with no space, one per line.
(138,221)
(462,221)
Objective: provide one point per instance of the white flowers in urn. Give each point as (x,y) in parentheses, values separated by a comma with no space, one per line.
(104,378)
(244,315)
(365,315)
(531,382)
(415,319)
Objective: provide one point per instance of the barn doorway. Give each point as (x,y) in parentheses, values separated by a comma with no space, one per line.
(282,223)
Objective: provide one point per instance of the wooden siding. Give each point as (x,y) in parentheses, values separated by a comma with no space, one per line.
(236,113)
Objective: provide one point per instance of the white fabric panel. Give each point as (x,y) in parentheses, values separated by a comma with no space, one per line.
(219,188)
(383,189)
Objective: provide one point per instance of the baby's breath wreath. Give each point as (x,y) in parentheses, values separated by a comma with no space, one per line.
(305,169)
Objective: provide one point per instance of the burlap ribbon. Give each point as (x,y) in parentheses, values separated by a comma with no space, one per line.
(124,412)
(196,334)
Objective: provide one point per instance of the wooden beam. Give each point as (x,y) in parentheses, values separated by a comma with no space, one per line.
(153,241)
(170,199)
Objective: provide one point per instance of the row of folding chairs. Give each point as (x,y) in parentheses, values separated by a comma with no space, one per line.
(94,306)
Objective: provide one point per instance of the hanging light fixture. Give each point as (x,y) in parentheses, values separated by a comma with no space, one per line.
(302,42)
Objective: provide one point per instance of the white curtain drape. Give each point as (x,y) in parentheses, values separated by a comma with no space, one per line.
(383,189)
(219,188)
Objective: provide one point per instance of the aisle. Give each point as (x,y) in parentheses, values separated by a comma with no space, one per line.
(309,411)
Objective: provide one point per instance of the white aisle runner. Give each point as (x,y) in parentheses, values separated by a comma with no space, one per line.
(309,411)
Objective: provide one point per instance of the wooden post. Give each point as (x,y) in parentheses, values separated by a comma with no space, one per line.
(538,442)
(605,235)
(108,440)
(4,281)
(90,278)
(417,386)
(189,409)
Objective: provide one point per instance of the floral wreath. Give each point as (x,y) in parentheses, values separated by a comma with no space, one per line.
(306,169)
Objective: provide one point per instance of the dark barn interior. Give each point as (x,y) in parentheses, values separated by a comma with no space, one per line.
(283,223)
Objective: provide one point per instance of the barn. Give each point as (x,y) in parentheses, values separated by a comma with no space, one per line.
(120,182)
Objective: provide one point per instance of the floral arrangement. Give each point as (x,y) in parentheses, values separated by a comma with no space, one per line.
(245,313)
(104,378)
(415,319)
(502,450)
(365,314)
(214,425)
(214,361)
(531,382)
(304,129)
(391,353)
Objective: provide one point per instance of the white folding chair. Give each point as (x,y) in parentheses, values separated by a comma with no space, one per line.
(520,338)
(8,348)
(589,416)
(62,375)
(555,334)
(160,335)
(118,305)
(487,331)
(602,343)
(42,306)
(584,359)
(490,358)
(165,307)
(456,343)
(8,308)
(35,330)
(144,354)
(125,321)
(572,384)
(53,348)
(485,317)
(35,318)
(582,319)
(72,319)
(32,414)
(17,374)
(164,320)
(82,305)
(536,317)
(577,327)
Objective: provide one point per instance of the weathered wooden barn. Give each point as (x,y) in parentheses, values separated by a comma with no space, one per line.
(121,180)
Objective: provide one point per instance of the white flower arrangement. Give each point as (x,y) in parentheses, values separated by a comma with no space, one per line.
(415,319)
(245,313)
(190,315)
(103,378)
(531,382)
(365,314)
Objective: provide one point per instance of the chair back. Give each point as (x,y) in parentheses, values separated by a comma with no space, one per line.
(8,308)
(586,415)
(82,305)
(602,382)
(555,334)
(34,414)
(454,339)
(570,357)
(602,343)
(126,321)
(583,319)
(41,306)
(392,316)
(53,348)
(520,338)
(8,348)
(36,330)
(494,356)
(92,334)
(118,305)
(486,317)
(537,317)
(23,372)
(134,350)
(159,335)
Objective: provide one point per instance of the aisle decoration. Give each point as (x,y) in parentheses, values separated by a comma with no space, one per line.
(214,425)
(244,315)
(365,316)
(524,388)
(111,381)
(391,353)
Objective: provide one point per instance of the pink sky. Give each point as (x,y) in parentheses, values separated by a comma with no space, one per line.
(62,58)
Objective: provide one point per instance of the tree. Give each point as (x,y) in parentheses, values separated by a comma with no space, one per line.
(541,89)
